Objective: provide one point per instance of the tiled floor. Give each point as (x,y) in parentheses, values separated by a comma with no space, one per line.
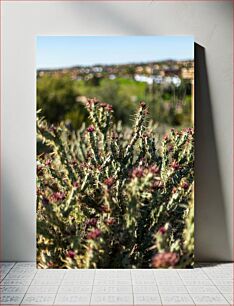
(207,284)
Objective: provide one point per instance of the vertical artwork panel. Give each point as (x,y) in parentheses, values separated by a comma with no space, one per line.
(115,152)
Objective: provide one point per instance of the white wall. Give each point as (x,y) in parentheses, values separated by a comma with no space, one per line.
(211,24)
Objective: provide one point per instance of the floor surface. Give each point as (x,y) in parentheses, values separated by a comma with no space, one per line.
(207,284)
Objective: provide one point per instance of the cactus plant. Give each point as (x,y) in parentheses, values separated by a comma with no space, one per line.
(114,197)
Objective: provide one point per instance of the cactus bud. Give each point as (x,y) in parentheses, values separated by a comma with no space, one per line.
(71,254)
(48,162)
(157,184)
(105,208)
(109,181)
(154,169)
(185,185)
(76,184)
(165,260)
(90,129)
(57,196)
(110,221)
(162,230)
(93,234)
(138,172)
(109,108)
(45,201)
(175,165)
(92,222)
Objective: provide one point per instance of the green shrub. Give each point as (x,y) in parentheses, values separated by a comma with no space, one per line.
(56,97)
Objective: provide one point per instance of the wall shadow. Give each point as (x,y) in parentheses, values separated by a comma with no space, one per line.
(18,222)
(211,230)
(211,233)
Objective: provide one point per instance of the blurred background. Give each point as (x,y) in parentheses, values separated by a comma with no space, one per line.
(121,71)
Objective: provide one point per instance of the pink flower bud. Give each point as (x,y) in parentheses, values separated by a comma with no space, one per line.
(90,129)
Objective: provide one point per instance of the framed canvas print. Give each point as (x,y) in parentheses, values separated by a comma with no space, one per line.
(115,152)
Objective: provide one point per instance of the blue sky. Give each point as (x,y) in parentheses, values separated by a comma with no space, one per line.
(68,51)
